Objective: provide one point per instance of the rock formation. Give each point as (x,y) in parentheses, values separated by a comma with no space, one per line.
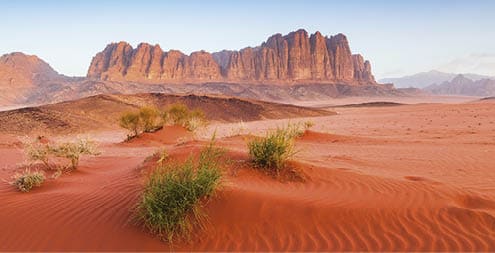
(283,68)
(295,58)
(20,74)
(19,70)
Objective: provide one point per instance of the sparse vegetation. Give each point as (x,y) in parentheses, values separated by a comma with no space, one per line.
(37,151)
(298,129)
(195,122)
(28,179)
(162,156)
(71,151)
(170,206)
(74,150)
(308,124)
(150,119)
(132,122)
(180,115)
(238,129)
(274,150)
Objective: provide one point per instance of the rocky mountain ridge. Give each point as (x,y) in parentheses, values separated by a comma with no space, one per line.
(295,58)
(424,79)
(286,68)
(462,85)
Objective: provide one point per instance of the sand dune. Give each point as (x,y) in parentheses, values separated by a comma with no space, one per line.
(407,178)
(101,112)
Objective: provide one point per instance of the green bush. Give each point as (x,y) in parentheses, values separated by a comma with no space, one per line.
(170,204)
(27,180)
(132,122)
(179,114)
(150,118)
(274,150)
(72,151)
(37,151)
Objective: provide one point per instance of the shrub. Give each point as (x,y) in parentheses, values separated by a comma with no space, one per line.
(308,124)
(180,115)
(132,122)
(37,151)
(27,180)
(298,129)
(170,204)
(294,130)
(151,119)
(196,120)
(162,156)
(194,123)
(74,150)
(273,151)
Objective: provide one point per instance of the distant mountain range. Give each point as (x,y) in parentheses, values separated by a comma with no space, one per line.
(424,79)
(462,85)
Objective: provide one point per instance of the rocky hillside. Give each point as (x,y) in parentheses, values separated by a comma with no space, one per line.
(20,74)
(295,58)
(462,85)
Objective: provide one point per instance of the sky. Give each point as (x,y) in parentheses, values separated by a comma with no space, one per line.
(398,37)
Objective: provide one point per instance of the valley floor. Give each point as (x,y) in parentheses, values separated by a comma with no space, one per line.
(398,178)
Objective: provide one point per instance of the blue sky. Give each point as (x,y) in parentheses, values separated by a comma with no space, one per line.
(398,37)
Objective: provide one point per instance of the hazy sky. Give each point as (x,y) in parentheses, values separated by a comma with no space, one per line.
(398,37)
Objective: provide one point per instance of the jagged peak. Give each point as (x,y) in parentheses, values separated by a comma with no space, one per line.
(339,37)
(287,58)
(317,34)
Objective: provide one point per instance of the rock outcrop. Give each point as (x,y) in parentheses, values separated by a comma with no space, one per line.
(20,74)
(20,70)
(295,58)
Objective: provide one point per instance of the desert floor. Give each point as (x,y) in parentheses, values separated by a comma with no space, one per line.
(417,177)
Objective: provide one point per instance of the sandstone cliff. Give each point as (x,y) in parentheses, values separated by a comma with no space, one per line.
(295,58)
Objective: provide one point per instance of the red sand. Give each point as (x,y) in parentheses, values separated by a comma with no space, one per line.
(408,178)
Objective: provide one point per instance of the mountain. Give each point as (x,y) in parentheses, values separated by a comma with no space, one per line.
(295,58)
(21,74)
(423,79)
(286,68)
(462,85)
